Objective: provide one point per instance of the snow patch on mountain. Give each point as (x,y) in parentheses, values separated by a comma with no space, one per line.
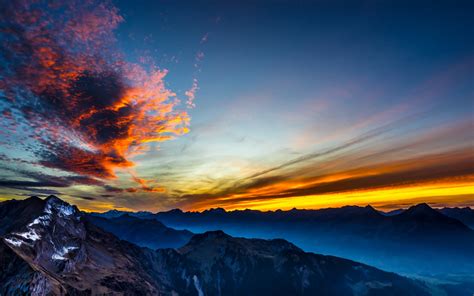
(61,208)
(30,235)
(60,255)
(54,206)
(13,241)
(43,220)
(197,285)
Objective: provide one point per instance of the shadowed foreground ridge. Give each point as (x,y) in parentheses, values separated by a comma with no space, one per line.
(54,250)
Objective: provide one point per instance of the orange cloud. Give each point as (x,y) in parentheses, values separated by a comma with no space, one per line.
(144,184)
(88,108)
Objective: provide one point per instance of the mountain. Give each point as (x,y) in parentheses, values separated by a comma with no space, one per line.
(57,251)
(425,221)
(17,277)
(143,232)
(392,213)
(465,215)
(116,213)
(15,213)
(237,266)
(63,254)
(405,242)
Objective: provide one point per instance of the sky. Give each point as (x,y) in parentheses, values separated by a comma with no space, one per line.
(154,105)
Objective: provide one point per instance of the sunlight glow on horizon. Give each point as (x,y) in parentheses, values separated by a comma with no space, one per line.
(440,193)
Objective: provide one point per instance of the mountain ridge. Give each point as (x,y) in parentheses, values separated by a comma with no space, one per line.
(408,238)
(60,252)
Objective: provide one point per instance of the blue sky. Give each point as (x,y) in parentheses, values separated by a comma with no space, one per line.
(279,80)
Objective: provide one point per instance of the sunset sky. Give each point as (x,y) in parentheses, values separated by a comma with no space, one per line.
(154,105)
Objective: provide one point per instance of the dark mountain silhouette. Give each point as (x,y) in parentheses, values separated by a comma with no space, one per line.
(392,212)
(465,215)
(143,232)
(116,213)
(56,251)
(405,242)
(425,221)
(237,266)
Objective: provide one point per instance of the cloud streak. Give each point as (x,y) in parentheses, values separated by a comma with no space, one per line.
(450,167)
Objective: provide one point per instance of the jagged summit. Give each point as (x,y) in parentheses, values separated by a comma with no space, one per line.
(71,255)
(35,198)
(216,210)
(56,216)
(54,198)
(175,211)
(422,209)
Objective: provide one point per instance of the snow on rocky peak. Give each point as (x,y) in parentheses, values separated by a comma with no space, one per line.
(54,208)
(61,254)
(63,209)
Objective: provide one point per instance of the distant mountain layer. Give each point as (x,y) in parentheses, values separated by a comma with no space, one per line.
(143,232)
(465,215)
(405,241)
(54,250)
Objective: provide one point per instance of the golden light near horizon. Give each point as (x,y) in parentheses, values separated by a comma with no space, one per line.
(439,193)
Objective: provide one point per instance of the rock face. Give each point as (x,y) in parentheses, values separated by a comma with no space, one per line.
(74,256)
(56,251)
(17,277)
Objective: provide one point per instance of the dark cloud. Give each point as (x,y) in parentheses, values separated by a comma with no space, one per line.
(37,180)
(38,192)
(107,195)
(114,189)
(83,197)
(19,183)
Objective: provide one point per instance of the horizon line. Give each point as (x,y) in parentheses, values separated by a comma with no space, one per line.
(255,210)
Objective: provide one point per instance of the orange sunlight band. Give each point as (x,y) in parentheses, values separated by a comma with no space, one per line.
(386,198)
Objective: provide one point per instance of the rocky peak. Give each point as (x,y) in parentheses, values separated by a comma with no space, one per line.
(53,238)
(422,209)
(59,207)
(174,211)
(215,211)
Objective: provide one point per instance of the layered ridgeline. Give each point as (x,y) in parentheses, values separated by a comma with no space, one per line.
(143,232)
(47,247)
(419,240)
(465,215)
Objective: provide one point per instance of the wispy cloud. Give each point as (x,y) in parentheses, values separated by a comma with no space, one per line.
(413,164)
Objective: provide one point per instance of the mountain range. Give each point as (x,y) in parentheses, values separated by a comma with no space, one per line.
(404,241)
(465,215)
(49,247)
